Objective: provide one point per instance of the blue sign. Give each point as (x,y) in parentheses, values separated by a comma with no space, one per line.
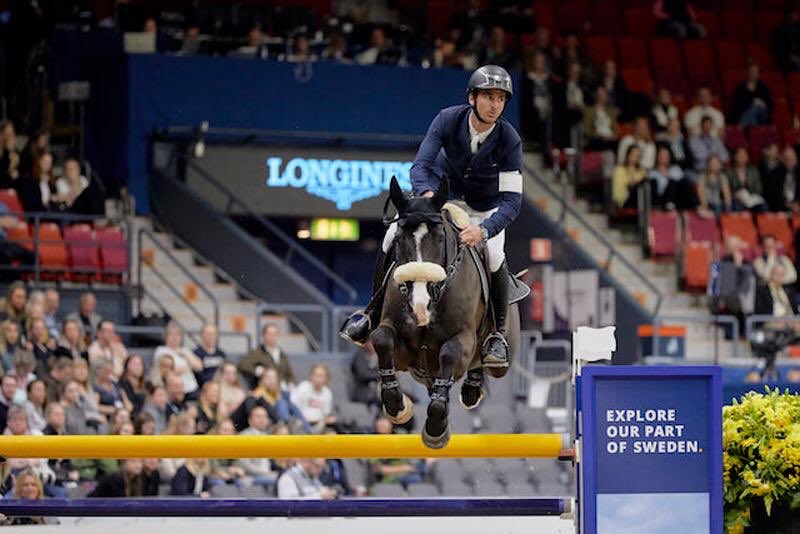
(343,182)
(652,442)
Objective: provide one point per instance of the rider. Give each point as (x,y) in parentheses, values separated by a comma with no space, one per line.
(480,155)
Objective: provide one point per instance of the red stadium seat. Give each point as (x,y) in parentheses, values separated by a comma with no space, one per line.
(606,19)
(21,234)
(710,21)
(791,137)
(663,234)
(737,25)
(84,252)
(633,53)
(639,21)
(766,23)
(666,57)
(730,80)
(781,115)
(775,81)
(11,200)
(638,80)
(794,87)
(113,253)
(53,256)
(700,65)
(759,53)
(702,229)
(572,17)
(696,260)
(730,56)
(761,136)
(545,16)
(735,137)
(777,225)
(600,49)
(740,225)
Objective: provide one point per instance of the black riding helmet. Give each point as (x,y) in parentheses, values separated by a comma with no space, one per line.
(490,77)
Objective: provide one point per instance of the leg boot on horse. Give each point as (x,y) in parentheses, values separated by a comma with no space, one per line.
(357,327)
(396,404)
(494,354)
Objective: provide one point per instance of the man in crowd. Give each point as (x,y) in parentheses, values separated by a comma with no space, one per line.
(52,301)
(209,352)
(704,108)
(87,316)
(108,348)
(8,389)
(301,481)
(704,145)
(260,469)
(769,258)
(268,355)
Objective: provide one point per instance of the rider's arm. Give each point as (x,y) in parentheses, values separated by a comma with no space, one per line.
(423,177)
(510,188)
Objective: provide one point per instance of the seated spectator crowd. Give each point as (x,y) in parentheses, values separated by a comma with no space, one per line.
(71,373)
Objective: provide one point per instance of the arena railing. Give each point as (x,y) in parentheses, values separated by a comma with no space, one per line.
(193,334)
(713,320)
(289,308)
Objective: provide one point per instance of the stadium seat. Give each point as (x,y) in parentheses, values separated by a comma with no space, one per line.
(666,56)
(759,53)
(639,22)
(696,259)
(794,87)
(761,136)
(572,17)
(638,80)
(21,234)
(735,137)
(633,53)
(663,234)
(113,253)
(730,80)
(775,81)
(730,56)
(740,225)
(600,49)
(606,19)
(545,16)
(765,23)
(781,115)
(777,225)
(737,25)
(710,21)
(11,200)
(701,229)
(700,64)
(53,256)
(84,252)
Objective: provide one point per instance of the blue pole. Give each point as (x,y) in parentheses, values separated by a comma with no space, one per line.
(283,508)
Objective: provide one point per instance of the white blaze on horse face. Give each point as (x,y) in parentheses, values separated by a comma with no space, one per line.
(419,292)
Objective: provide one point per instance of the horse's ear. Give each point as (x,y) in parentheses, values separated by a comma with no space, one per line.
(396,195)
(442,194)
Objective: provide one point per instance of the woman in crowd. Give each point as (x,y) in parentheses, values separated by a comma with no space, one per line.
(28,485)
(278,403)
(17,425)
(232,393)
(192,478)
(36,404)
(164,366)
(314,399)
(81,412)
(70,185)
(132,480)
(745,183)
(132,384)
(208,407)
(670,189)
(182,424)
(225,471)
(71,342)
(713,191)
(10,342)
(185,361)
(628,175)
(23,370)
(118,419)
(156,407)
(41,344)
(36,189)
(38,144)
(144,425)
(106,390)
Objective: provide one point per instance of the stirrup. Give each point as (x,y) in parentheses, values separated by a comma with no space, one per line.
(495,335)
(491,359)
(359,314)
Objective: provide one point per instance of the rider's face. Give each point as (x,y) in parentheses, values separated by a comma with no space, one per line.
(490,104)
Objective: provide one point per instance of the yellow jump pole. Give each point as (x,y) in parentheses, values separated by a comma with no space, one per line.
(333,446)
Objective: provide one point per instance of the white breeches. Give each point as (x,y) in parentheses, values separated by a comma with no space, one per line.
(495,247)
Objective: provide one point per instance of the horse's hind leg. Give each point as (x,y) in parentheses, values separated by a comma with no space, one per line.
(452,360)
(396,405)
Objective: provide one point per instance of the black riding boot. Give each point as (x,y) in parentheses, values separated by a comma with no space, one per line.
(495,347)
(358,326)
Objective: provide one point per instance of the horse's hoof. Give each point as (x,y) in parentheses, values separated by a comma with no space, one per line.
(496,372)
(471,397)
(436,442)
(404,415)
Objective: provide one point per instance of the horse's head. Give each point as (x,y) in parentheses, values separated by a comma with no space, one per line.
(420,246)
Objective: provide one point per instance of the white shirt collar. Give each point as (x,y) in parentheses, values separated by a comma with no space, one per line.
(475,137)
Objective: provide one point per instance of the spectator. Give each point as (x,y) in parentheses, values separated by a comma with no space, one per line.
(225,471)
(107,392)
(732,283)
(254,47)
(9,156)
(745,183)
(118,420)
(23,371)
(56,419)
(259,469)
(130,481)
(60,372)
(776,297)
(314,399)
(268,355)
(35,189)
(673,138)
(676,18)
(279,404)
(574,102)
(41,344)
(71,343)
(771,158)
(670,189)
(301,481)
(81,412)
(713,191)
(208,412)
(35,405)
(232,394)
(181,424)
(28,485)
(132,384)
(627,178)
(18,426)
(86,315)
(612,82)
(176,398)
(664,110)
(163,367)
(186,363)
(445,54)
(81,375)
(782,183)
(190,45)
(769,258)
(568,54)
(364,376)
(71,185)
(38,144)
(192,478)
(752,100)
(391,471)
(209,353)
(379,51)
(538,91)
(337,50)
(8,390)
(52,301)
(108,348)
(704,108)
(704,145)
(640,136)
(301,51)
(9,250)
(600,127)
(145,424)
(13,309)
(10,343)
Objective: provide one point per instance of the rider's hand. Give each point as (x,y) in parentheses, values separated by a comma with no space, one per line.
(471,235)
(428,194)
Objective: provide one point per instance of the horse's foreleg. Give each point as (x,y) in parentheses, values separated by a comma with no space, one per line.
(452,361)
(396,405)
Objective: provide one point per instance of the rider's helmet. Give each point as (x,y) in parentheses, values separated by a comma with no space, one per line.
(491,77)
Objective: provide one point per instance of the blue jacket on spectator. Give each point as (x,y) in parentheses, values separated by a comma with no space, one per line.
(445,153)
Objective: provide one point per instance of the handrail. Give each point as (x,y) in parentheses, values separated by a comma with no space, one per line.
(613,253)
(183,269)
(142,290)
(284,307)
(750,320)
(709,319)
(140,329)
(293,247)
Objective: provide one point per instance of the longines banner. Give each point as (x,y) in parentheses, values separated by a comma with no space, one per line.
(307,182)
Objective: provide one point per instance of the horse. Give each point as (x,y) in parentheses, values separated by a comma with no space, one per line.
(434,313)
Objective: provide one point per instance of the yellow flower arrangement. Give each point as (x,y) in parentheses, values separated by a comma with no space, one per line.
(761,458)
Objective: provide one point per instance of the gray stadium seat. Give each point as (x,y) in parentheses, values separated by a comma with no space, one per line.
(164,490)
(254,492)
(519,490)
(388,490)
(225,491)
(356,472)
(423,489)
(489,488)
(456,488)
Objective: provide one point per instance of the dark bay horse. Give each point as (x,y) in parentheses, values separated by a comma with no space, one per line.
(434,313)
